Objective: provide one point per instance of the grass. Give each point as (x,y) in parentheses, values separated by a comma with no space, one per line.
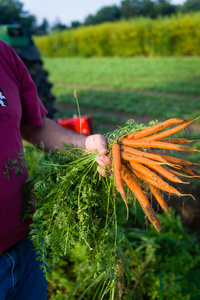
(115,89)
(152,104)
(168,74)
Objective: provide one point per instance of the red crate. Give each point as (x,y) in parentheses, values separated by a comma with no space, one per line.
(85,127)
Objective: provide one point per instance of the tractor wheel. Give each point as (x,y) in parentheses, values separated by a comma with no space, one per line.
(40,78)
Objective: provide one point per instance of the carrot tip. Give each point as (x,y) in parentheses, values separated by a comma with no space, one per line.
(196,118)
(188,195)
(158,226)
(127,212)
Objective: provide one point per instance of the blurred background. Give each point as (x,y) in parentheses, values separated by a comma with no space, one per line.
(129,59)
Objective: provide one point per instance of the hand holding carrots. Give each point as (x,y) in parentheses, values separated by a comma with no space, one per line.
(98,142)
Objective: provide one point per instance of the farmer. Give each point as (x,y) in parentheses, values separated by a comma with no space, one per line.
(23,115)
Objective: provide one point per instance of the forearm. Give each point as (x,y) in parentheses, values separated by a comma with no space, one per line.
(52,135)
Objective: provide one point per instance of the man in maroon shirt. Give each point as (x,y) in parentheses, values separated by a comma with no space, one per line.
(22,115)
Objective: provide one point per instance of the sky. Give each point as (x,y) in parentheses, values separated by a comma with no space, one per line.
(67,11)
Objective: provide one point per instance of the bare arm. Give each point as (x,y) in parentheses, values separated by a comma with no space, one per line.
(53,135)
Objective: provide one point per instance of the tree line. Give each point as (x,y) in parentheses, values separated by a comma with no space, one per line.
(12,11)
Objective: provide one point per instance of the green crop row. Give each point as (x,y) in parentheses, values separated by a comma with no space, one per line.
(178,35)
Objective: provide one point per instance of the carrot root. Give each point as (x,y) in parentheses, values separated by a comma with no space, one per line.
(159,198)
(169,132)
(117,174)
(156,144)
(152,129)
(139,194)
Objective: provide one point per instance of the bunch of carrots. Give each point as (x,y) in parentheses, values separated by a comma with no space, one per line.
(136,164)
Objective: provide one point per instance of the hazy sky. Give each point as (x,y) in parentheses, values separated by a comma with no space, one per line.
(68,10)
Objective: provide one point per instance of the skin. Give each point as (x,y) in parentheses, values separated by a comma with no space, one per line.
(53,135)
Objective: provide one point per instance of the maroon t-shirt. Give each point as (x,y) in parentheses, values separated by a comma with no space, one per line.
(19,104)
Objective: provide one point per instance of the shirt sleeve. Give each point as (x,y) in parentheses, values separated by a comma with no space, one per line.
(33,110)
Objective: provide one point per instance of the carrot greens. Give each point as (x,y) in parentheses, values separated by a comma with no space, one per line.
(74,204)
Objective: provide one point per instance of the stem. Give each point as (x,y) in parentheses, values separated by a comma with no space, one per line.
(79,114)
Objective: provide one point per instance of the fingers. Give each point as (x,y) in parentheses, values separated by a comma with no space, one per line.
(101,144)
(104,164)
(97,142)
(101,171)
(103,160)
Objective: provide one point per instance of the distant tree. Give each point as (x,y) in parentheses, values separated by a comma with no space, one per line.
(59,26)
(43,28)
(108,14)
(90,20)
(164,8)
(11,12)
(75,24)
(29,22)
(105,14)
(190,5)
(150,8)
(131,8)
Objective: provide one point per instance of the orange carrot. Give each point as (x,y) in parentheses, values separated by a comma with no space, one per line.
(152,156)
(139,194)
(153,165)
(169,132)
(117,173)
(177,161)
(130,157)
(159,185)
(156,144)
(157,194)
(189,172)
(152,129)
(165,173)
(177,140)
(154,179)
(149,180)
(175,171)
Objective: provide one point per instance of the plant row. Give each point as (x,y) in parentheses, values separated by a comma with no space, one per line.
(178,35)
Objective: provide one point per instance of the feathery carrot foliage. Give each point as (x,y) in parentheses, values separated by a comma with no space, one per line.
(74,204)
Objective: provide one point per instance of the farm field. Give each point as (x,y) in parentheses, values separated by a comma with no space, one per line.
(114,89)
(167,74)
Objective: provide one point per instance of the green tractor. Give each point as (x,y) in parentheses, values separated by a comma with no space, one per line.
(23,45)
